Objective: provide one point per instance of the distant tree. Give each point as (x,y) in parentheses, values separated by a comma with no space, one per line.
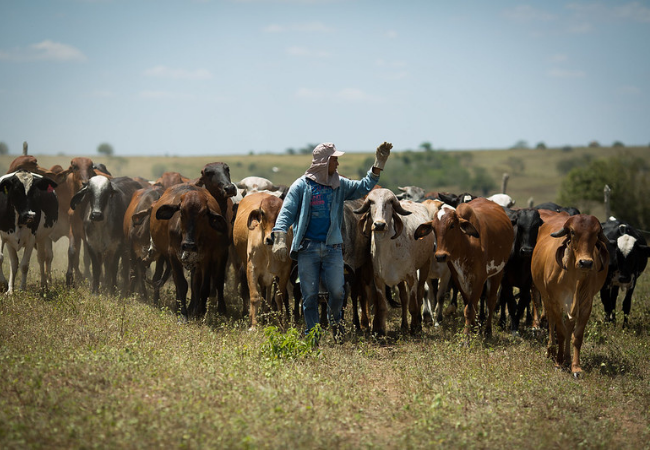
(517,165)
(426,146)
(567,148)
(482,183)
(291,151)
(520,144)
(540,146)
(4,148)
(564,166)
(105,149)
(629,180)
(594,144)
(618,144)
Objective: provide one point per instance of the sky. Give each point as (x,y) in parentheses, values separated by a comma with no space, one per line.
(228,77)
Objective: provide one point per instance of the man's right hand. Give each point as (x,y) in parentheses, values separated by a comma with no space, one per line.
(279,248)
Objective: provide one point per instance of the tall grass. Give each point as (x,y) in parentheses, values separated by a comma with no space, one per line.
(80,370)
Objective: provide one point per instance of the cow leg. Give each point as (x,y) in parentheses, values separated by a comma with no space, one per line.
(24,262)
(354,296)
(96,260)
(255,295)
(506,298)
(73,259)
(404,300)
(111,264)
(13,261)
(443,287)
(578,334)
(608,298)
(627,302)
(45,256)
(492,289)
(244,291)
(381,309)
(181,288)
(522,307)
(218,281)
(4,285)
(429,301)
(160,277)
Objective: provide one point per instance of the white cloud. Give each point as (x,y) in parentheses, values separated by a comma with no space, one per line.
(564,73)
(391,34)
(632,11)
(526,13)
(307,27)
(44,51)
(628,90)
(164,95)
(306,52)
(178,74)
(558,58)
(346,95)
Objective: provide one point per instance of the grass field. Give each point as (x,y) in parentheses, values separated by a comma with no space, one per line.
(94,371)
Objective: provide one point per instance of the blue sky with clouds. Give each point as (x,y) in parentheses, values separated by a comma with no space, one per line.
(221,77)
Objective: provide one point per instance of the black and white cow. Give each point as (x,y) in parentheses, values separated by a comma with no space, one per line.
(526,223)
(28,213)
(628,257)
(103,203)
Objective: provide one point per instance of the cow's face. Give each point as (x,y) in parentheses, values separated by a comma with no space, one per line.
(22,190)
(216,179)
(584,245)
(381,213)
(81,170)
(94,193)
(263,218)
(526,227)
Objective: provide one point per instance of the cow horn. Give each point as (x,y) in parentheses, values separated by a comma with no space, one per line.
(399,209)
(559,233)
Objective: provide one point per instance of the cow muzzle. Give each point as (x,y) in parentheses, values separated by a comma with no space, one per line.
(585,264)
(96,216)
(28,218)
(441,257)
(379,226)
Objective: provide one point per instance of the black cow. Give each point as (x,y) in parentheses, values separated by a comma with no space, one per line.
(628,257)
(28,213)
(526,223)
(573,211)
(103,203)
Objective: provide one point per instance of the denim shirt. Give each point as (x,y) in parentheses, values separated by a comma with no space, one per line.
(295,208)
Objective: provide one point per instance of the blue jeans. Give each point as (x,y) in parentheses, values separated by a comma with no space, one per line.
(318,262)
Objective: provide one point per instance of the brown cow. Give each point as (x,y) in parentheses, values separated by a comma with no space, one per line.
(568,273)
(252,239)
(138,236)
(475,240)
(189,230)
(169,179)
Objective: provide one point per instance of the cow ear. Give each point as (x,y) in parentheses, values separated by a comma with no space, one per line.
(559,255)
(398,225)
(139,217)
(423,230)
(165,212)
(365,224)
(468,228)
(254,219)
(78,197)
(646,250)
(217,222)
(46,184)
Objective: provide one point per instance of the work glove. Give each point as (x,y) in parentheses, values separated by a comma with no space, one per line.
(383,152)
(279,248)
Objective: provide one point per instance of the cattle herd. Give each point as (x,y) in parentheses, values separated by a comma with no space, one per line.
(427,246)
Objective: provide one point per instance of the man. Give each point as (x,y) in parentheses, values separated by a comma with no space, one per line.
(314,207)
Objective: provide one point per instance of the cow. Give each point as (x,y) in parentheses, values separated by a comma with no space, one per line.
(502,199)
(526,223)
(168,179)
(396,256)
(475,241)
(439,277)
(28,214)
(550,206)
(569,266)
(190,232)
(101,205)
(413,193)
(628,257)
(79,173)
(455,199)
(138,237)
(253,240)
(254,184)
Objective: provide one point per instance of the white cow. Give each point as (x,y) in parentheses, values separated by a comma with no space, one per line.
(396,255)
